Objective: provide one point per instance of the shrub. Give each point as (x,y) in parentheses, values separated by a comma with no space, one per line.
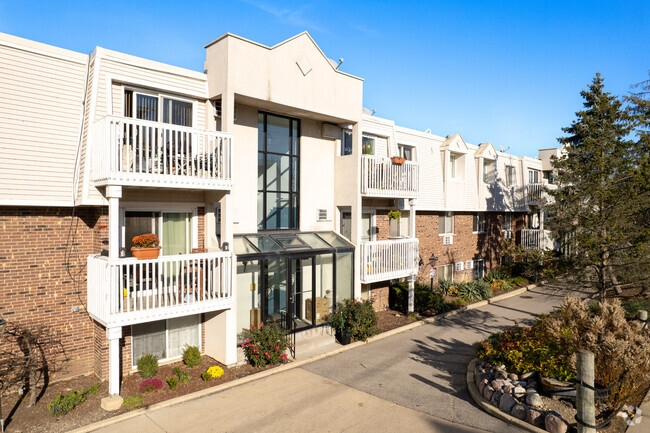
(182,376)
(495,274)
(425,301)
(265,345)
(501,285)
(62,404)
(459,303)
(444,286)
(191,356)
(172,382)
(632,307)
(206,376)
(132,401)
(519,281)
(147,366)
(215,371)
(92,389)
(474,291)
(149,385)
(357,317)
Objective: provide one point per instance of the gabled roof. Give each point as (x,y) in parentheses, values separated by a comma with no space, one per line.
(303,34)
(455,143)
(486,150)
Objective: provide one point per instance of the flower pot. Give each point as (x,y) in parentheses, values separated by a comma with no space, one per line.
(146,253)
(343,336)
(397,160)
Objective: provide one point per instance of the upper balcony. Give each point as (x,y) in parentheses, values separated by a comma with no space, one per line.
(380,177)
(133,152)
(536,239)
(388,260)
(537,193)
(128,291)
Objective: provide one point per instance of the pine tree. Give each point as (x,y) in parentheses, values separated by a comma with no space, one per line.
(601,207)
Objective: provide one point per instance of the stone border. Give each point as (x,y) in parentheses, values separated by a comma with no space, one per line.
(494,411)
(298,363)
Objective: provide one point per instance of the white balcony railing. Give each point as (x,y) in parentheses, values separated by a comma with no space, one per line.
(535,239)
(381,178)
(128,151)
(128,291)
(386,260)
(537,193)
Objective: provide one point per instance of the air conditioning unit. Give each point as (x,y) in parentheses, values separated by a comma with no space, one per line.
(507,234)
(322,215)
(459,266)
(469,265)
(447,240)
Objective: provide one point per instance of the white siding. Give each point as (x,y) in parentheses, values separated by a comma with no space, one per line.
(41,96)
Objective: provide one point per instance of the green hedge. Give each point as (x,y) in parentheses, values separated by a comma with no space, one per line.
(426,301)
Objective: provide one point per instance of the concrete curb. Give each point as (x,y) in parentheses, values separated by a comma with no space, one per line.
(289,366)
(487,407)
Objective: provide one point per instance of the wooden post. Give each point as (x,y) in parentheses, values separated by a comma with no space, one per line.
(585,395)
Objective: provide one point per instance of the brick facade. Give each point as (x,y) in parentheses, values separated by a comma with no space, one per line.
(466,244)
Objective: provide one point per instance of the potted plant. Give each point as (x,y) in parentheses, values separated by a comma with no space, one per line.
(395,218)
(146,246)
(397,160)
(339,320)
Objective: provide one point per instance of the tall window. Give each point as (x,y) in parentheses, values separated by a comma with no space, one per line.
(507,221)
(346,142)
(407,152)
(511,175)
(277,172)
(368,145)
(533,176)
(479,222)
(146,106)
(454,159)
(478,270)
(489,171)
(446,223)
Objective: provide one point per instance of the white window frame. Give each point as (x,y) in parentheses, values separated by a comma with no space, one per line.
(451,266)
(533,176)
(480,216)
(134,361)
(374,144)
(345,131)
(511,175)
(453,165)
(443,217)
(161,97)
(475,267)
(402,147)
(493,176)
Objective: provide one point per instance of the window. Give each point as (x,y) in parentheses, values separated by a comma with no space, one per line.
(445,272)
(173,228)
(479,222)
(489,171)
(453,162)
(511,175)
(407,152)
(533,176)
(548,177)
(277,172)
(368,145)
(165,338)
(146,107)
(446,223)
(507,222)
(478,271)
(346,142)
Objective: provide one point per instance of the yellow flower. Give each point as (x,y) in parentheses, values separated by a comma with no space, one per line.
(215,371)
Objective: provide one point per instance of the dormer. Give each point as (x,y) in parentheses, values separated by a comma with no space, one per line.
(454,154)
(486,157)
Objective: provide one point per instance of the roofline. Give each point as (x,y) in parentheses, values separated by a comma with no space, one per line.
(231,35)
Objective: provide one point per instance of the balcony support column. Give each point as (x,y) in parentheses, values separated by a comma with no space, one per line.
(113,194)
(411,280)
(114,335)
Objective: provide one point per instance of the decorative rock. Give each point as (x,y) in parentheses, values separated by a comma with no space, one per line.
(498,384)
(501,374)
(554,424)
(518,391)
(481,385)
(521,383)
(496,398)
(533,399)
(532,384)
(519,411)
(513,377)
(487,392)
(527,376)
(534,417)
(501,367)
(110,404)
(506,403)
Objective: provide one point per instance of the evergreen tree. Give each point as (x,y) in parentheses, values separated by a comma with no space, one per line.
(601,208)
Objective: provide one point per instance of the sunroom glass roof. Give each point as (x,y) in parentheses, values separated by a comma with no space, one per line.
(287,242)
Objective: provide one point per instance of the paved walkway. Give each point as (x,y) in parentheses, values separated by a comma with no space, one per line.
(413,381)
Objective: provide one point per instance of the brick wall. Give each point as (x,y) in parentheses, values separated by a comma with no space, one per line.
(379,294)
(201,226)
(43,254)
(466,244)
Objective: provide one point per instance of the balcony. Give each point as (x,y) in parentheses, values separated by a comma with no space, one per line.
(535,239)
(381,178)
(387,260)
(537,193)
(133,152)
(129,291)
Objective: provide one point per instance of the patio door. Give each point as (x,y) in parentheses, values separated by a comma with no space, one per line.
(176,233)
(301,292)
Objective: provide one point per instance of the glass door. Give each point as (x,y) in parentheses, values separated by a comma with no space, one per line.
(301,299)
(275,282)
(176,232)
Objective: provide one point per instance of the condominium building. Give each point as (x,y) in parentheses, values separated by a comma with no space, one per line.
(274,194)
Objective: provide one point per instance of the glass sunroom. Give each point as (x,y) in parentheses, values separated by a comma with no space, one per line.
(294,278)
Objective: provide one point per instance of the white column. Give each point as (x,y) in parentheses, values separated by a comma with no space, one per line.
(411,281)
(412,218)
(114,335)
(221,336)
(114,194)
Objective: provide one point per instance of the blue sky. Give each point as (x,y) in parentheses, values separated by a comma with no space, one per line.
(505,72)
